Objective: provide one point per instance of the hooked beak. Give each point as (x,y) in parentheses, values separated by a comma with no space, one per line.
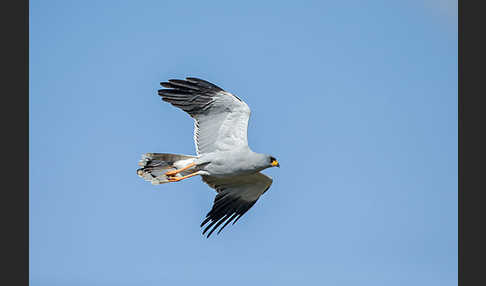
(275,164)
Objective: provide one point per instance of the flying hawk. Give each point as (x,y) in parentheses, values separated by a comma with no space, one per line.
(224,160)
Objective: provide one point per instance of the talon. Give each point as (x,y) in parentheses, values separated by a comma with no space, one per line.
(173,179)
(171,173)
(174,172)
(177,179)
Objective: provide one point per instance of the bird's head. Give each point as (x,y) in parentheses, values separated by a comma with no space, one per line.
(273,162)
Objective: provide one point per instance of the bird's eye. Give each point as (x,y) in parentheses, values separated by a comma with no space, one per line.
(272,159)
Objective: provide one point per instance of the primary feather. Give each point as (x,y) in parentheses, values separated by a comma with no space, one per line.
(220,118)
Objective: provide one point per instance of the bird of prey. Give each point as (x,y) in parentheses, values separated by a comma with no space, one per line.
(224,160)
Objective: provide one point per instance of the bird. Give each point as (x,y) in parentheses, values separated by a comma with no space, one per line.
(223,158)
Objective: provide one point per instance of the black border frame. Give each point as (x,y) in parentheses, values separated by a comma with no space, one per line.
(15,118)
(470,145)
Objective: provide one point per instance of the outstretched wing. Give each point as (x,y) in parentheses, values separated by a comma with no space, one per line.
(221,118)
(236,195)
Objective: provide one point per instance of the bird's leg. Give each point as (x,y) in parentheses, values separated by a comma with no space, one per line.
(173,173)
(177,179)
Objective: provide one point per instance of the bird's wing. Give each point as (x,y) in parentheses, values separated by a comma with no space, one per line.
(220,118)
(236,195)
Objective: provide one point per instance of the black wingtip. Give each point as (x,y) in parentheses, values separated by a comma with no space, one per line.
(204,221)
(204,83)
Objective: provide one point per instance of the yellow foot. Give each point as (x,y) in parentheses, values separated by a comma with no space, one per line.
(174,179)
(177,179)
(173,173)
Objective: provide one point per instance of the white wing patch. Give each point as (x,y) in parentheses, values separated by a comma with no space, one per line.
(222,129)
(221,117)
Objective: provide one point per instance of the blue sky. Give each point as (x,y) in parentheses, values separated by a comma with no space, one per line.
(357,100)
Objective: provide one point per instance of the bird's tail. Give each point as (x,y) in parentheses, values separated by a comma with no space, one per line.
(155,165)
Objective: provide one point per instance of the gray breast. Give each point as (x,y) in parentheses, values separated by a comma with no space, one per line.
(231,163)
